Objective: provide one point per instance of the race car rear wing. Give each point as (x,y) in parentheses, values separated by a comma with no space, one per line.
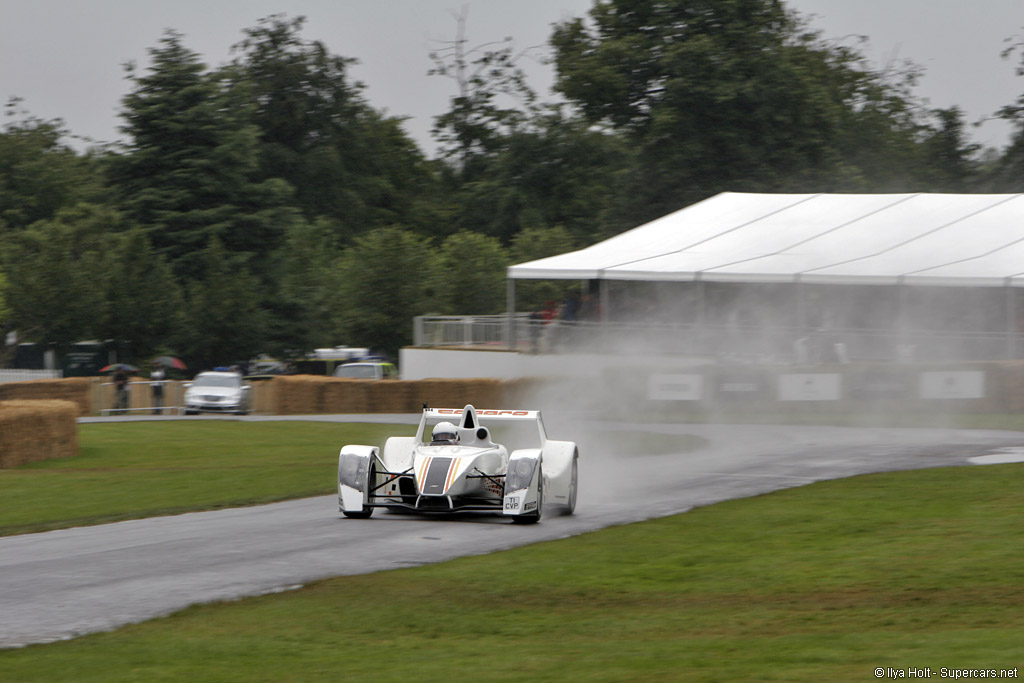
(457,413)
(469,417)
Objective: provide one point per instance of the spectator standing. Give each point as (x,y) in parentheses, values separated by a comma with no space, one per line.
(157,382)
(121,390)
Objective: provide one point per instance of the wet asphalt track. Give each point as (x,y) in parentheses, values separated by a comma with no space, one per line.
(60,584)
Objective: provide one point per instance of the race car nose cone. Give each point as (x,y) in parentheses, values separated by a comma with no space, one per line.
(435,479)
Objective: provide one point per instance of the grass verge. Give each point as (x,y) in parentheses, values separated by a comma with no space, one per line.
(823,582)
(143,469)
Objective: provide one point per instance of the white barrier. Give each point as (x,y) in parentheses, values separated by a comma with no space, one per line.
(28,375)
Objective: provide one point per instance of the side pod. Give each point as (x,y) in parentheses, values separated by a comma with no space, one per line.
(354,466)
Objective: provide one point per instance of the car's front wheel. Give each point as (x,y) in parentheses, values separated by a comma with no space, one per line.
(570,506)
(366,512)
(534,517)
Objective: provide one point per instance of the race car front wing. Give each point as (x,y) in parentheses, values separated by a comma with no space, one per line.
(514,494)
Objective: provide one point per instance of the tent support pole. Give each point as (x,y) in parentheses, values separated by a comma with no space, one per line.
(510,298)
(602,288)
(909,352)
(701,318)
(1011,323)
(801,307)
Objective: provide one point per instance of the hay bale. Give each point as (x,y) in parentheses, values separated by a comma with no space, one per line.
(74,389)
(393,396)
(345,395)
(454,393)
(264,397)
(32,430)
(299,394)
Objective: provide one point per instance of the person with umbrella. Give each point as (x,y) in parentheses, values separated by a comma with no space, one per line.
(121,389)
(156,383)
(157,379)
(121,386)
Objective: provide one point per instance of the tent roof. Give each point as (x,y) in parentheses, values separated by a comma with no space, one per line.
(928,239)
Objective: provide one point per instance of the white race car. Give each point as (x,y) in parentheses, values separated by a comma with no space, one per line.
(460,468)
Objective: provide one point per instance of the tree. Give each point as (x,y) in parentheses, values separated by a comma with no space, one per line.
(57,275)
(6,325)
(731,94)
(39,174)
(304,308)
(1007,173)
(537,243)
(471,277)
(556,173)
(5,311)
(484,75)
(224,321)
(143,300)
(384,281)
(189,171)
(509,161)
(948,158)
(345,160)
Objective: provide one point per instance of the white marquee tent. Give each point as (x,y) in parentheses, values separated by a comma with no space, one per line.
(964,240)
(949,263)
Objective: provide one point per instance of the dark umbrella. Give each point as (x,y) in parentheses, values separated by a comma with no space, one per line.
(170,362)
(114,367)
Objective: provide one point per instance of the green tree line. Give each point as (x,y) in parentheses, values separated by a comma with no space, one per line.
(264,206)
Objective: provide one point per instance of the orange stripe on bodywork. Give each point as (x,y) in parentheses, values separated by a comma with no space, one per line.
(452,470)
(422,474)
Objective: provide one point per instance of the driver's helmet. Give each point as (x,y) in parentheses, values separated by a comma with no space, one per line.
(444,432)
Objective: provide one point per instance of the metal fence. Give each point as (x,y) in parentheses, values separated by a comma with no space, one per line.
(524,333)
(139,398)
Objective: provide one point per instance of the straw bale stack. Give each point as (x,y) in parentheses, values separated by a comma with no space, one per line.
(394,396)
(521,393)
(74,389)
(299,394)
(37,430)
(264,397)
(311,394)
(343,395)
(455,393)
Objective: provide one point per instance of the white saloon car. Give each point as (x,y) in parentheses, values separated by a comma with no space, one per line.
(218,392)
(472,474)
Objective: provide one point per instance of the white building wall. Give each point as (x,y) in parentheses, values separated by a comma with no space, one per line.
(426,363)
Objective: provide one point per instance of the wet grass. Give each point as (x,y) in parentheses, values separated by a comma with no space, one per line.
(144,469)
(823,582)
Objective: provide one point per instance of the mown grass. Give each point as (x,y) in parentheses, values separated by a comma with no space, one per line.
(823,582)
(143,469)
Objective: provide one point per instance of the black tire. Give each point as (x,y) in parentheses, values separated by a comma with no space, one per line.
(570,507)
(534,518)
(365,513)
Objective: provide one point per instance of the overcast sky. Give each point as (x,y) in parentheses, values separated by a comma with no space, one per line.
(64,57)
